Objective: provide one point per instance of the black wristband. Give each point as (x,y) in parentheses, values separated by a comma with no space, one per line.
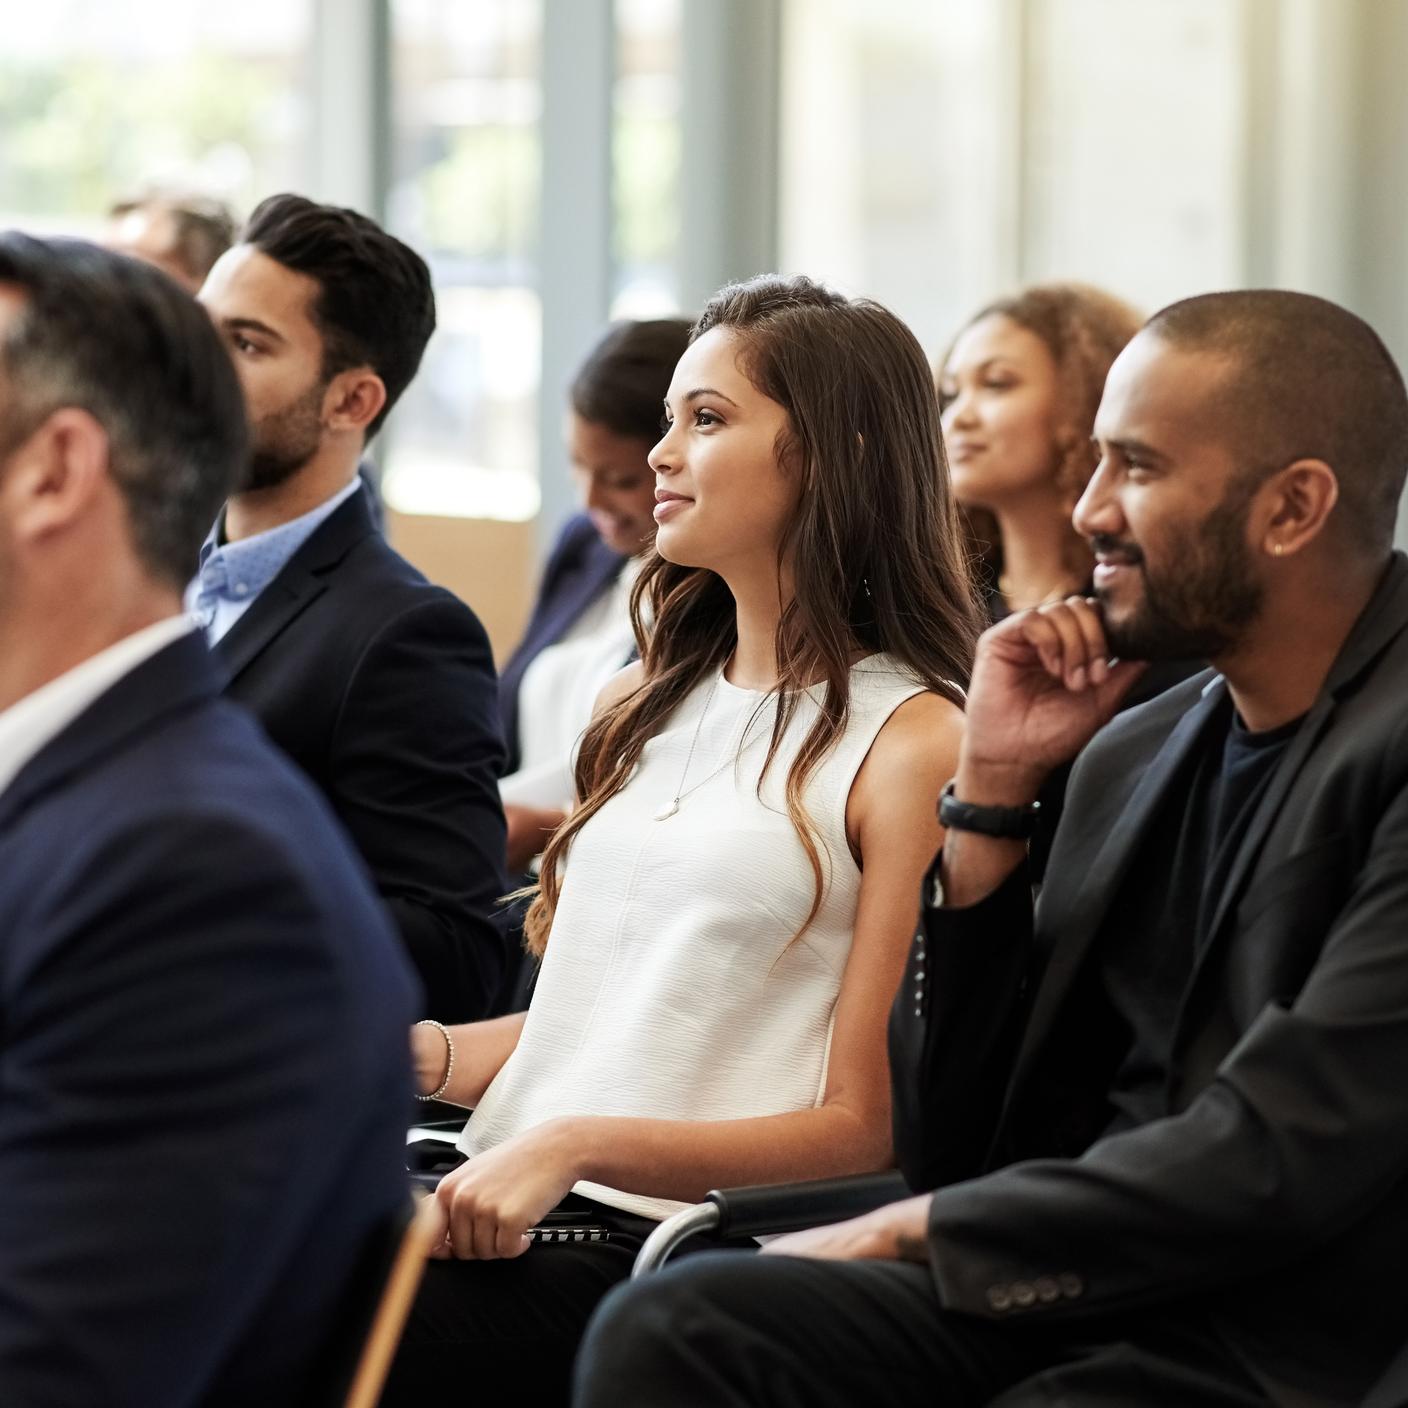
(1006,823)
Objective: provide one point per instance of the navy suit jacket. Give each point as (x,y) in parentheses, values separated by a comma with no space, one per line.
(1271,1203)
(580,568)
(203,1061)
(381,688)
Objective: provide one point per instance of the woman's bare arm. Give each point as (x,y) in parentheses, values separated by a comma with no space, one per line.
(481,1048)
(891,821)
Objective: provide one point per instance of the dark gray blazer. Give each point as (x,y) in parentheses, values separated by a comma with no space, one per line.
(1273,1199)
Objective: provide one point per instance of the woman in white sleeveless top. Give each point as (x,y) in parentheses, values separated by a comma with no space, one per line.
(757,802)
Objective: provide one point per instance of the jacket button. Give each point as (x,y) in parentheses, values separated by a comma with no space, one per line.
(1071,1285)
(1047,1289)
(999,1298)
(1023,1294)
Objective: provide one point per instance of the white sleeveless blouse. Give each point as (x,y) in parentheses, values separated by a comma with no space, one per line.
(672,987)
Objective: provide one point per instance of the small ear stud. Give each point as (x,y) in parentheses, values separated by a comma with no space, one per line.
(1278,549)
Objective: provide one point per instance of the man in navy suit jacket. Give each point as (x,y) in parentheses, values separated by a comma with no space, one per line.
(203,1006)
(377,684)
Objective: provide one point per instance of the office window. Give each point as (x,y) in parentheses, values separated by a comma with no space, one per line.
(936,156)
(895,152)
(1135,163)
(465,170)
(646,159)
(98,100)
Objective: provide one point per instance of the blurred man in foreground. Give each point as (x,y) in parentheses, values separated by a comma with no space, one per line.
(203,1064)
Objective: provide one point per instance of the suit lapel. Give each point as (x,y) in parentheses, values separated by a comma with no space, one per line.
(1381,621)
(589,577)
(1079,920)
(166,683)
(277,605)
(1265,815)
(303,579)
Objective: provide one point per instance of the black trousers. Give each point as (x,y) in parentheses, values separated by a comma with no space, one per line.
(484,1333)
(782,1332)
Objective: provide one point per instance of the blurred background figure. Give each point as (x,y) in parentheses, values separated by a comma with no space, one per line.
(1019,389)
(182,234)
(580,631)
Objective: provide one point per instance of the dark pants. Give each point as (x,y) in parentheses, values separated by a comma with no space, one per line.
(782,1332)
(486,1333)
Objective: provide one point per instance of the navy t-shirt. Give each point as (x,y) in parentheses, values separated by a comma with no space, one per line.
(1168,906)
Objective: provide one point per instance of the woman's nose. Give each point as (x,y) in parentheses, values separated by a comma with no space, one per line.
(661,456)
(961,411)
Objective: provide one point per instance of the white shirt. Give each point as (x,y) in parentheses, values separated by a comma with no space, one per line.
(559,690)
(674,984)
(37,719)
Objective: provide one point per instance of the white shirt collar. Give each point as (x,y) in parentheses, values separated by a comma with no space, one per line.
(36,720)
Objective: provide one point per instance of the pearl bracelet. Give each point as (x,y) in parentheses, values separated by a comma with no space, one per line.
(449,1057)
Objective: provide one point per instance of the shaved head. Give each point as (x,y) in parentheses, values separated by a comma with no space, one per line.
(1306,379)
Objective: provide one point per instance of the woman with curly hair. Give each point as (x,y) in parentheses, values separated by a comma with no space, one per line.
(756,814)
(1019,389)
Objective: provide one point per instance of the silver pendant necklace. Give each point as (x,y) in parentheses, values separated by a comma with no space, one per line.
(681,791)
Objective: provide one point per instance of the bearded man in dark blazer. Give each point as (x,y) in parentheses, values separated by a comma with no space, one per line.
(1166,1114)
(380,686)
(204,1069)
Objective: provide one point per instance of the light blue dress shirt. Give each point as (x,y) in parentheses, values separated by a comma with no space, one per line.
(232,575)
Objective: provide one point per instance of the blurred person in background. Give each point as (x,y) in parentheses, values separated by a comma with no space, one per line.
(580,632)
(377,683)
(1019,389)
(203,1065)
(182,234)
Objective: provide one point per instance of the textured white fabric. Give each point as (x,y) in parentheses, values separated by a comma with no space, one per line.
(672,987)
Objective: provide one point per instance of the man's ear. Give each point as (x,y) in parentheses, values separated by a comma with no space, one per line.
(1295,504)
(56,473)
(355,398)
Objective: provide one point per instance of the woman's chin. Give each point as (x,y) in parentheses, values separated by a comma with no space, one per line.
(675,547)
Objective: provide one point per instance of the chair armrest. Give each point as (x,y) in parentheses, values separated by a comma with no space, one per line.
(432,1151)
(790,1207)
(770,1209)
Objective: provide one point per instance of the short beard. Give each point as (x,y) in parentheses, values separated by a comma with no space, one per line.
(1200,604)
(285,441)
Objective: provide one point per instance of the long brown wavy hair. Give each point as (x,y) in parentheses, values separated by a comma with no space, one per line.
(875,550)
(1084,329)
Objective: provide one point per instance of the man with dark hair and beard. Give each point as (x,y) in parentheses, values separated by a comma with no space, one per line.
(1165,1113)
(378,684)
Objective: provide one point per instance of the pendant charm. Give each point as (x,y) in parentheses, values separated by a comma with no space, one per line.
(667,811)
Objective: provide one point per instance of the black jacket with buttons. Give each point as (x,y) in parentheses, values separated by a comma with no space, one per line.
(1273,1198)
